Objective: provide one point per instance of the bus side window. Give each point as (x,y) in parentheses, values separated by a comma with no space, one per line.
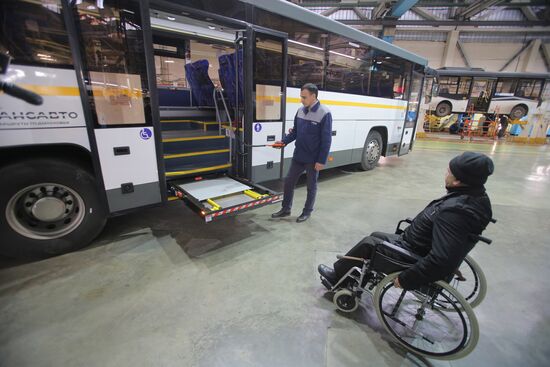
(34,34)
(529,88)
(546,91)
(506,87)
(448,85)
(464,86)
(302,70)
(114,62)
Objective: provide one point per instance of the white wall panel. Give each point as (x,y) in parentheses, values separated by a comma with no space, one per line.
(489,56)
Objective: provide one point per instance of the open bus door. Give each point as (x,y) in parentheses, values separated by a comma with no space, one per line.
(260,116)
(265,101)
(481,94)
(412,113)
(117,79)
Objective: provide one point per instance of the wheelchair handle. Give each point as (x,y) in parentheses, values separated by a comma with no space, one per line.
(493,220)
(398,229)
(484,239)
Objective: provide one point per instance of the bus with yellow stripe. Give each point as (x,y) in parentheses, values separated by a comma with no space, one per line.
(148,101)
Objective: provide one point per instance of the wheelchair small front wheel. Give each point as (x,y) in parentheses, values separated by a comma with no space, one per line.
(345,300)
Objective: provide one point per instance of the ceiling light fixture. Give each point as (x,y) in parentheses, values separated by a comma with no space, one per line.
(344,55)
(306,45)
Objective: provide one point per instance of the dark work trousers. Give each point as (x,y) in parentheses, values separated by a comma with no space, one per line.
(296,169)
(364,250)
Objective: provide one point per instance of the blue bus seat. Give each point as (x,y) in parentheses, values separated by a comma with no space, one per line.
(200,82)
(228,77)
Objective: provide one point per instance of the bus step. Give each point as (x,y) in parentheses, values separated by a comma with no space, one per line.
(189,125)
(193,170)
(194,160)
(178,142)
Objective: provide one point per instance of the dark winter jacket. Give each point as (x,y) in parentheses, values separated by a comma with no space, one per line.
(443,234)
(313,134)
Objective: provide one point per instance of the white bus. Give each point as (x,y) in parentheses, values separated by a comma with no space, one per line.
(459,90)
(134,114)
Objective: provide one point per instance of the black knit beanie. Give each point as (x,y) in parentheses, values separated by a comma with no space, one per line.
(471,168)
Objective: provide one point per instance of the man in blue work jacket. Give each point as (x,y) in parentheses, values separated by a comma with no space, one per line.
(313,134)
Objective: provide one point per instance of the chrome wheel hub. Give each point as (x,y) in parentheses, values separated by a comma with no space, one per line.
(45,211)
(372,152)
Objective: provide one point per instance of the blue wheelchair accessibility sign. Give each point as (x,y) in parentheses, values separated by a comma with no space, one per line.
(145,133)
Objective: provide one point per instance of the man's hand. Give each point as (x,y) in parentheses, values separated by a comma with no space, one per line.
(396,283)
(319,166)
(278,144)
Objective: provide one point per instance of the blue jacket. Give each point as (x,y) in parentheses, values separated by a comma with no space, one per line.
(313,134)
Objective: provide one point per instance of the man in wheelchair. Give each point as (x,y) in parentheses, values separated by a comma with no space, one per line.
(441,235)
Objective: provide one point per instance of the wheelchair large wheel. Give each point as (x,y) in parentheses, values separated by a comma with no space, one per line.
(470,281)
(414,322)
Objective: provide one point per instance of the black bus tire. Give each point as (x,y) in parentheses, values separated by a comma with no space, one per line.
(518,112)
(371,151)
(48,207)
(443,109)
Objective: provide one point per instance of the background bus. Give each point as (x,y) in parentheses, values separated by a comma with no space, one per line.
(134,115)
(459,90)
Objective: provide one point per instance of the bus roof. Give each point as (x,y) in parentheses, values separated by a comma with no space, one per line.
(489,74)
(292,11)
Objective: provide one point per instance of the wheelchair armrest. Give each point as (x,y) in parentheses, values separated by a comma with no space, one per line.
(398,229)
(345,257)
(400,250)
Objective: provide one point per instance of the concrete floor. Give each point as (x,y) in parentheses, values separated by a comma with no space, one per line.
(161,288)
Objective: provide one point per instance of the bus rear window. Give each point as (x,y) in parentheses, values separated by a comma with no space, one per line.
(33,33)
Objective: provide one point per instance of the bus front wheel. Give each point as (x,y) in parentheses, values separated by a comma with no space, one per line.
(48,207)
(371,151)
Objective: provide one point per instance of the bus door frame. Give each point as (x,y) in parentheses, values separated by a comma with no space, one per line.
(409,127)
(492,92)
(249,97)
(149,198)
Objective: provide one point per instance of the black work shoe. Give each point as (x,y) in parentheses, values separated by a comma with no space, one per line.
(281,213)
(327,273)
(303,217)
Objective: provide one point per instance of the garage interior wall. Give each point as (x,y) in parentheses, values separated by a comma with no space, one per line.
(489,56)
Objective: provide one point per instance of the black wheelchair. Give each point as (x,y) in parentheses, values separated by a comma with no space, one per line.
(436,320)
(469,278)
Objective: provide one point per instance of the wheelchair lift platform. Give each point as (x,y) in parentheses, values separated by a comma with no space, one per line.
(222,195)
(222,186)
